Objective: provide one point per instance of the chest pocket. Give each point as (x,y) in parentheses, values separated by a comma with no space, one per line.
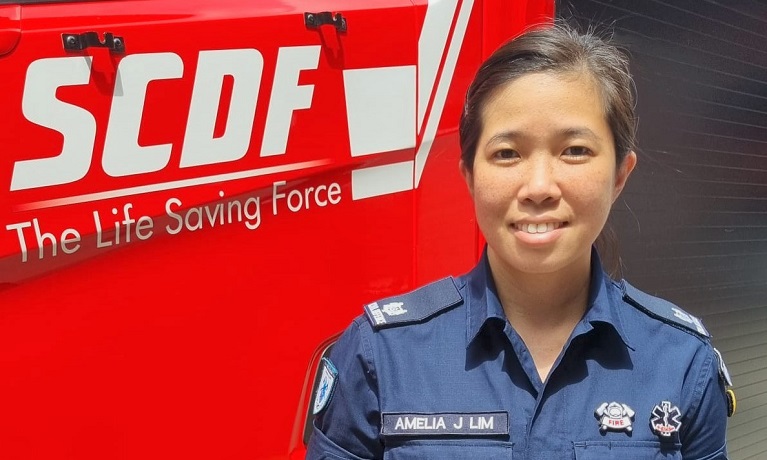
(607,450)
(449,449)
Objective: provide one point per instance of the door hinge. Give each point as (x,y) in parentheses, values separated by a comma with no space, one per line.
(79,42)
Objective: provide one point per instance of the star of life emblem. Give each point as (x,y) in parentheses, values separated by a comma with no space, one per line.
(615,417)
(394,309)
(664,420)
(326,386)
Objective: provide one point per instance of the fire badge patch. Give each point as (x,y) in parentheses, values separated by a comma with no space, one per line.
(664,420)
(614,417)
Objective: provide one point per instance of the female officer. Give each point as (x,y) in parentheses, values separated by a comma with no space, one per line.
(536,353)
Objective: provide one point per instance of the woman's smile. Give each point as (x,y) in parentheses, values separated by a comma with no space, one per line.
(542,227)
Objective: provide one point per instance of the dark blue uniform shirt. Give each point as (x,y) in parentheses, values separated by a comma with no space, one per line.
(440,373)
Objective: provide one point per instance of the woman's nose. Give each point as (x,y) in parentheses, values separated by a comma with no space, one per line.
(540,182)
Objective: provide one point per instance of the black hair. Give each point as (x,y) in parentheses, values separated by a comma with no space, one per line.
(555,49)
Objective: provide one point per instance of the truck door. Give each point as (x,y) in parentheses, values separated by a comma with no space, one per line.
(194,195)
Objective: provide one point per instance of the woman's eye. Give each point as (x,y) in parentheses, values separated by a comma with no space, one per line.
(577,151)
(506,154)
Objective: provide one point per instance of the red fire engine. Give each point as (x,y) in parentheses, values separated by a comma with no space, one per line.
(197,196)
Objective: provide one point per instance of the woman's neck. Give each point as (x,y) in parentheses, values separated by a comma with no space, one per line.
(543,308)
(542,300)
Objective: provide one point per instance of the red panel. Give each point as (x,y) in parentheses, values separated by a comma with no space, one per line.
(504,19)
(192,344)
(10,29)
(197,343)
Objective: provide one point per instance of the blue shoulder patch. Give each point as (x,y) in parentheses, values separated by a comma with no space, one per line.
(326,387)
(413,306)
(662,310)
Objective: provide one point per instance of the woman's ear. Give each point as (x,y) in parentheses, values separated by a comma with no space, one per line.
(623,173)
(467,176)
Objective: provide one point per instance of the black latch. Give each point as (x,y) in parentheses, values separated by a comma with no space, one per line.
(315,20)
(79,42)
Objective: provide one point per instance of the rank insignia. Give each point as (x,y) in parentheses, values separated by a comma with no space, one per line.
(664,420)
(614,417)
(328,379)
(394,309)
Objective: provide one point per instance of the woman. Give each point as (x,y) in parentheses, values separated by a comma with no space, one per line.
(536,353)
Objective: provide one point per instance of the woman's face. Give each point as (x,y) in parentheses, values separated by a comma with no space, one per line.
(544,175)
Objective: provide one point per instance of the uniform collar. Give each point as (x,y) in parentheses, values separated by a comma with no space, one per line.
(605,302)
(482,303)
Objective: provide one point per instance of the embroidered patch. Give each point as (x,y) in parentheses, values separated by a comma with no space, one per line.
(732,403)
(614,417)
(664,420)
(441,424)
(394,309)
(723,372)
(326,386)
(690,319)
(376,316)
(414,306)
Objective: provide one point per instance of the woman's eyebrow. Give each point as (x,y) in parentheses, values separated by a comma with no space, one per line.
(504,136)
(565,133)
(581,131)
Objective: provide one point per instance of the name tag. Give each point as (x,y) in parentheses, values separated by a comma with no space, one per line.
(441,424)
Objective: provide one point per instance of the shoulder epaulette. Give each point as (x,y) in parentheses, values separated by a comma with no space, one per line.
(414,306)
(662,310)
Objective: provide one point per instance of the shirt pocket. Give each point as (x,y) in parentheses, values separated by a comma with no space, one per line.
(449,449)
(645,450)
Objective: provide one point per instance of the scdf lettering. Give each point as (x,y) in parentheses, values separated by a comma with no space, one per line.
(123,156)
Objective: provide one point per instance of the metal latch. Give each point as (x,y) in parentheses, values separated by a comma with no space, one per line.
(79,42)
(315,20)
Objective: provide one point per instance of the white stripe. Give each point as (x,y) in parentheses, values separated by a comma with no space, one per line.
(431,48)
(168,185)
(444,84)
(382,180)
(380,109)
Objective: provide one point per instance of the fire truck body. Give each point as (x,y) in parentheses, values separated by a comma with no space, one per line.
(198,196)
